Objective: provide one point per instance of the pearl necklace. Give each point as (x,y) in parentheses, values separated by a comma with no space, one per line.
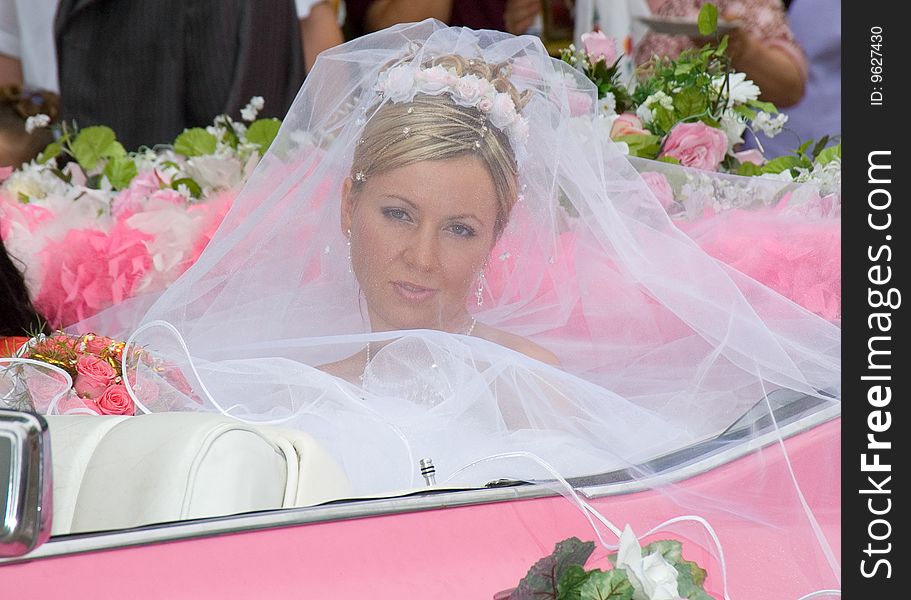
(367,362)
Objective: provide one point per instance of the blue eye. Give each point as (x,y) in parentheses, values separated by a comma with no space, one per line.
(396,214)
(462,230)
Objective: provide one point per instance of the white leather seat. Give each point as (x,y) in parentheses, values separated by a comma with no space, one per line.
(117,472)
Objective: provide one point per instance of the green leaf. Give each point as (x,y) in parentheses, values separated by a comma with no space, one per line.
(262,132)
(641,144)
(766,106)
(782,163)
(690,578)
(120,171)
(569,587)
(671,550)
(745,111)
(195,142)
(829,154)
(689,102)
(607,585)
(802,149)
(819,146)
(664,118)
(669,159)
(722,46)
(94,143)
(191,184)
(541,581)
(708,19)
(683,69)
(52,151)
(749,169)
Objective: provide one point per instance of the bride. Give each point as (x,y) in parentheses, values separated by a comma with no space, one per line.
(441,257)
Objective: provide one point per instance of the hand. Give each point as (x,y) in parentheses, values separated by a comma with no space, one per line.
(520,14)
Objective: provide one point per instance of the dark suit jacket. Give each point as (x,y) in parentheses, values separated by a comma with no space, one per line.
(151,68)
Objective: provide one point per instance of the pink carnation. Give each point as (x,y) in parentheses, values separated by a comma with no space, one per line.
(696,145)
(89,271)
(133,199)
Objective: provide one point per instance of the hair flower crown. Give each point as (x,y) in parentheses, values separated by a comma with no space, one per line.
(403,82)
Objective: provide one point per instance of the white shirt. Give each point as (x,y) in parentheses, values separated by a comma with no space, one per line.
(27,33)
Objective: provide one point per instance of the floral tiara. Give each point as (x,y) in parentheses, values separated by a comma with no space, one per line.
(403,82)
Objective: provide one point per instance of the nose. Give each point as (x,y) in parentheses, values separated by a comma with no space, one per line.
(423,251)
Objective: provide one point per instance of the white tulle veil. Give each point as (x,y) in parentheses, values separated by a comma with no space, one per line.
(660,346)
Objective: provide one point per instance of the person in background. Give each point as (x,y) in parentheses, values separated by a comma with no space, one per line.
(319,27)
(514,16)
(763,47)
(167,65)
(817,26)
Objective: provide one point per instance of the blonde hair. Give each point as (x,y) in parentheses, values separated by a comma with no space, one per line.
(436,128)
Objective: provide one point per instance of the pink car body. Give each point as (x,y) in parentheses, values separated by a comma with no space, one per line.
(464,544)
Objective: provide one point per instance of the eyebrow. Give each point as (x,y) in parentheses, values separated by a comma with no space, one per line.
(416,207)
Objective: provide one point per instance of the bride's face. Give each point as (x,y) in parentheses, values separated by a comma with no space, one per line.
(420,235)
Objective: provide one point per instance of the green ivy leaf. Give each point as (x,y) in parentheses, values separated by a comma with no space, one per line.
(829,154)
(120,171)
(263,132)
(541,581)
(708,19)
(94,143)
(689,102)
(191,184)
(641,144)
(52,151)
(607,585)
(569,587)
(690,578)
(195,142)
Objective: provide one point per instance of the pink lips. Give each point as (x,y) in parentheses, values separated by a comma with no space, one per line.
(412,292)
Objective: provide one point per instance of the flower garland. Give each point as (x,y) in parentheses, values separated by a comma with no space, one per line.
(93,225)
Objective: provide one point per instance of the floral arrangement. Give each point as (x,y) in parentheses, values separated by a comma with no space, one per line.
(94,365)
(694,111)
(94,224)
(656,572)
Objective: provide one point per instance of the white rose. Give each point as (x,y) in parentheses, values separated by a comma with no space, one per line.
(503,111)
(652,577)
(435,80)
(485,104)
(468,90)
(398,83)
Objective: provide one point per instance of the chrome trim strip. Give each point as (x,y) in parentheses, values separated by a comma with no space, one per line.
(92,542)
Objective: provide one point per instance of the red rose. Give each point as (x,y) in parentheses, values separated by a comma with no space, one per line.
(115,401)
(93,376)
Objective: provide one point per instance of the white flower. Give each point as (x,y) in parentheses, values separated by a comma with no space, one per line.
(503,111)
(249,112)
(36,122)
(644,113)
(470,89)
(652,577)
(740,89)
(435,80)
(608,104)
(214,172)
(769,125)
(397,83)
(518,131)
(733,124)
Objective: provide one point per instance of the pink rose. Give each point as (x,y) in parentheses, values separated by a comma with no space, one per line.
(6,172)
(435,80)
(580,103)
(626,124)
(115,401)
(93,376)
(599,47)
(750,156)
(133,199)
(97,344)
(696,145)
(659,186)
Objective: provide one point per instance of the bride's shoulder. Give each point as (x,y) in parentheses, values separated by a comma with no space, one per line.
(517,343)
